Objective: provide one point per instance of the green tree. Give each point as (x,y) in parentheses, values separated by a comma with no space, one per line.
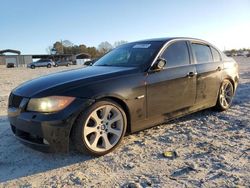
(58,47)
(93,52)
(66,47)
(82,48)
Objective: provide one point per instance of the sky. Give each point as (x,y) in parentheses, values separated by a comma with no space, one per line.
(31,26)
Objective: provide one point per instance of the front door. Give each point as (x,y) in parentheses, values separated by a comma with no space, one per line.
(174,87)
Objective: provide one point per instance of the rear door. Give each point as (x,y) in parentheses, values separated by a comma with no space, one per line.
(173,88)
(208,66)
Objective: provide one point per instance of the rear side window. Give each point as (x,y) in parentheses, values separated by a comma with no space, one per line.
(216,55)
(176,54)
(202,53)
(42,60)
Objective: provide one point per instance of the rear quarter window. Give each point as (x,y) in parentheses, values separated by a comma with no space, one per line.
(216,55)
(202,53)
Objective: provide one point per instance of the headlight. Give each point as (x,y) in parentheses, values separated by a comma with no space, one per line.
(49,104)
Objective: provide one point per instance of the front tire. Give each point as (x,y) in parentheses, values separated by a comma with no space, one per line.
(99,129)
(225,96)
(49,66)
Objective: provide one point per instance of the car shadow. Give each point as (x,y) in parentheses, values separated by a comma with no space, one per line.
(17,160)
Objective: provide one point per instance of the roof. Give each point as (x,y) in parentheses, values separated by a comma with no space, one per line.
(11,51)
(169,38)
(45,56)
(48,56)
(165,40)
(82,56)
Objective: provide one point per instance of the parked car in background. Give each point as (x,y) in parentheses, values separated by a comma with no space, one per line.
(62,63)
(90,62)
(133,87)
(10,65)
(41,63)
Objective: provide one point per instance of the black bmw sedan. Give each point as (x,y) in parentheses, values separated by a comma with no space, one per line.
(133,87)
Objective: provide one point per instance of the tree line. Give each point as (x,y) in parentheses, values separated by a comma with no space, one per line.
(67,47)
(237,52)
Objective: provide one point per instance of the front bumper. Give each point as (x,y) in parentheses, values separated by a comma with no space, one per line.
(45,132)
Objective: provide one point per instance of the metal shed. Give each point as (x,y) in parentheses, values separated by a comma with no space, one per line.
(22,60)
(18,59)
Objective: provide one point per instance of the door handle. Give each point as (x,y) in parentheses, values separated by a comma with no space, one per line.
(191,74)
(218,69)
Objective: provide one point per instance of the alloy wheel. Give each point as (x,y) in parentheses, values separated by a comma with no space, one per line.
(104,128)
(226,94)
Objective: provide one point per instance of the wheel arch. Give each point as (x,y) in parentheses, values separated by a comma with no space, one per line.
(218,106)
(117,100)
(231,80)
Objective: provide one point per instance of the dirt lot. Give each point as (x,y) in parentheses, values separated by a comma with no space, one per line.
(213,149)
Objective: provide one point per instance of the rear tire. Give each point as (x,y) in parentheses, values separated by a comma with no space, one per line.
(225,96)
(99,129)
(49,66)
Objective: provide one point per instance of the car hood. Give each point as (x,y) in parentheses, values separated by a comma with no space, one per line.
(53,83)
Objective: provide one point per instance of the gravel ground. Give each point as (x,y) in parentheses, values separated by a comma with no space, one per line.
(213,149)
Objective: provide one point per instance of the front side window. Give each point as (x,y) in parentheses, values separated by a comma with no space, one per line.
(202,53)
(136,54)
(176,54)
(216,55)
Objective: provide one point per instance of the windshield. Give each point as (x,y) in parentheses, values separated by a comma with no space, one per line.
(136,54)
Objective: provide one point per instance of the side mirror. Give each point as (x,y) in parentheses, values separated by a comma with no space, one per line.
(159,64)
